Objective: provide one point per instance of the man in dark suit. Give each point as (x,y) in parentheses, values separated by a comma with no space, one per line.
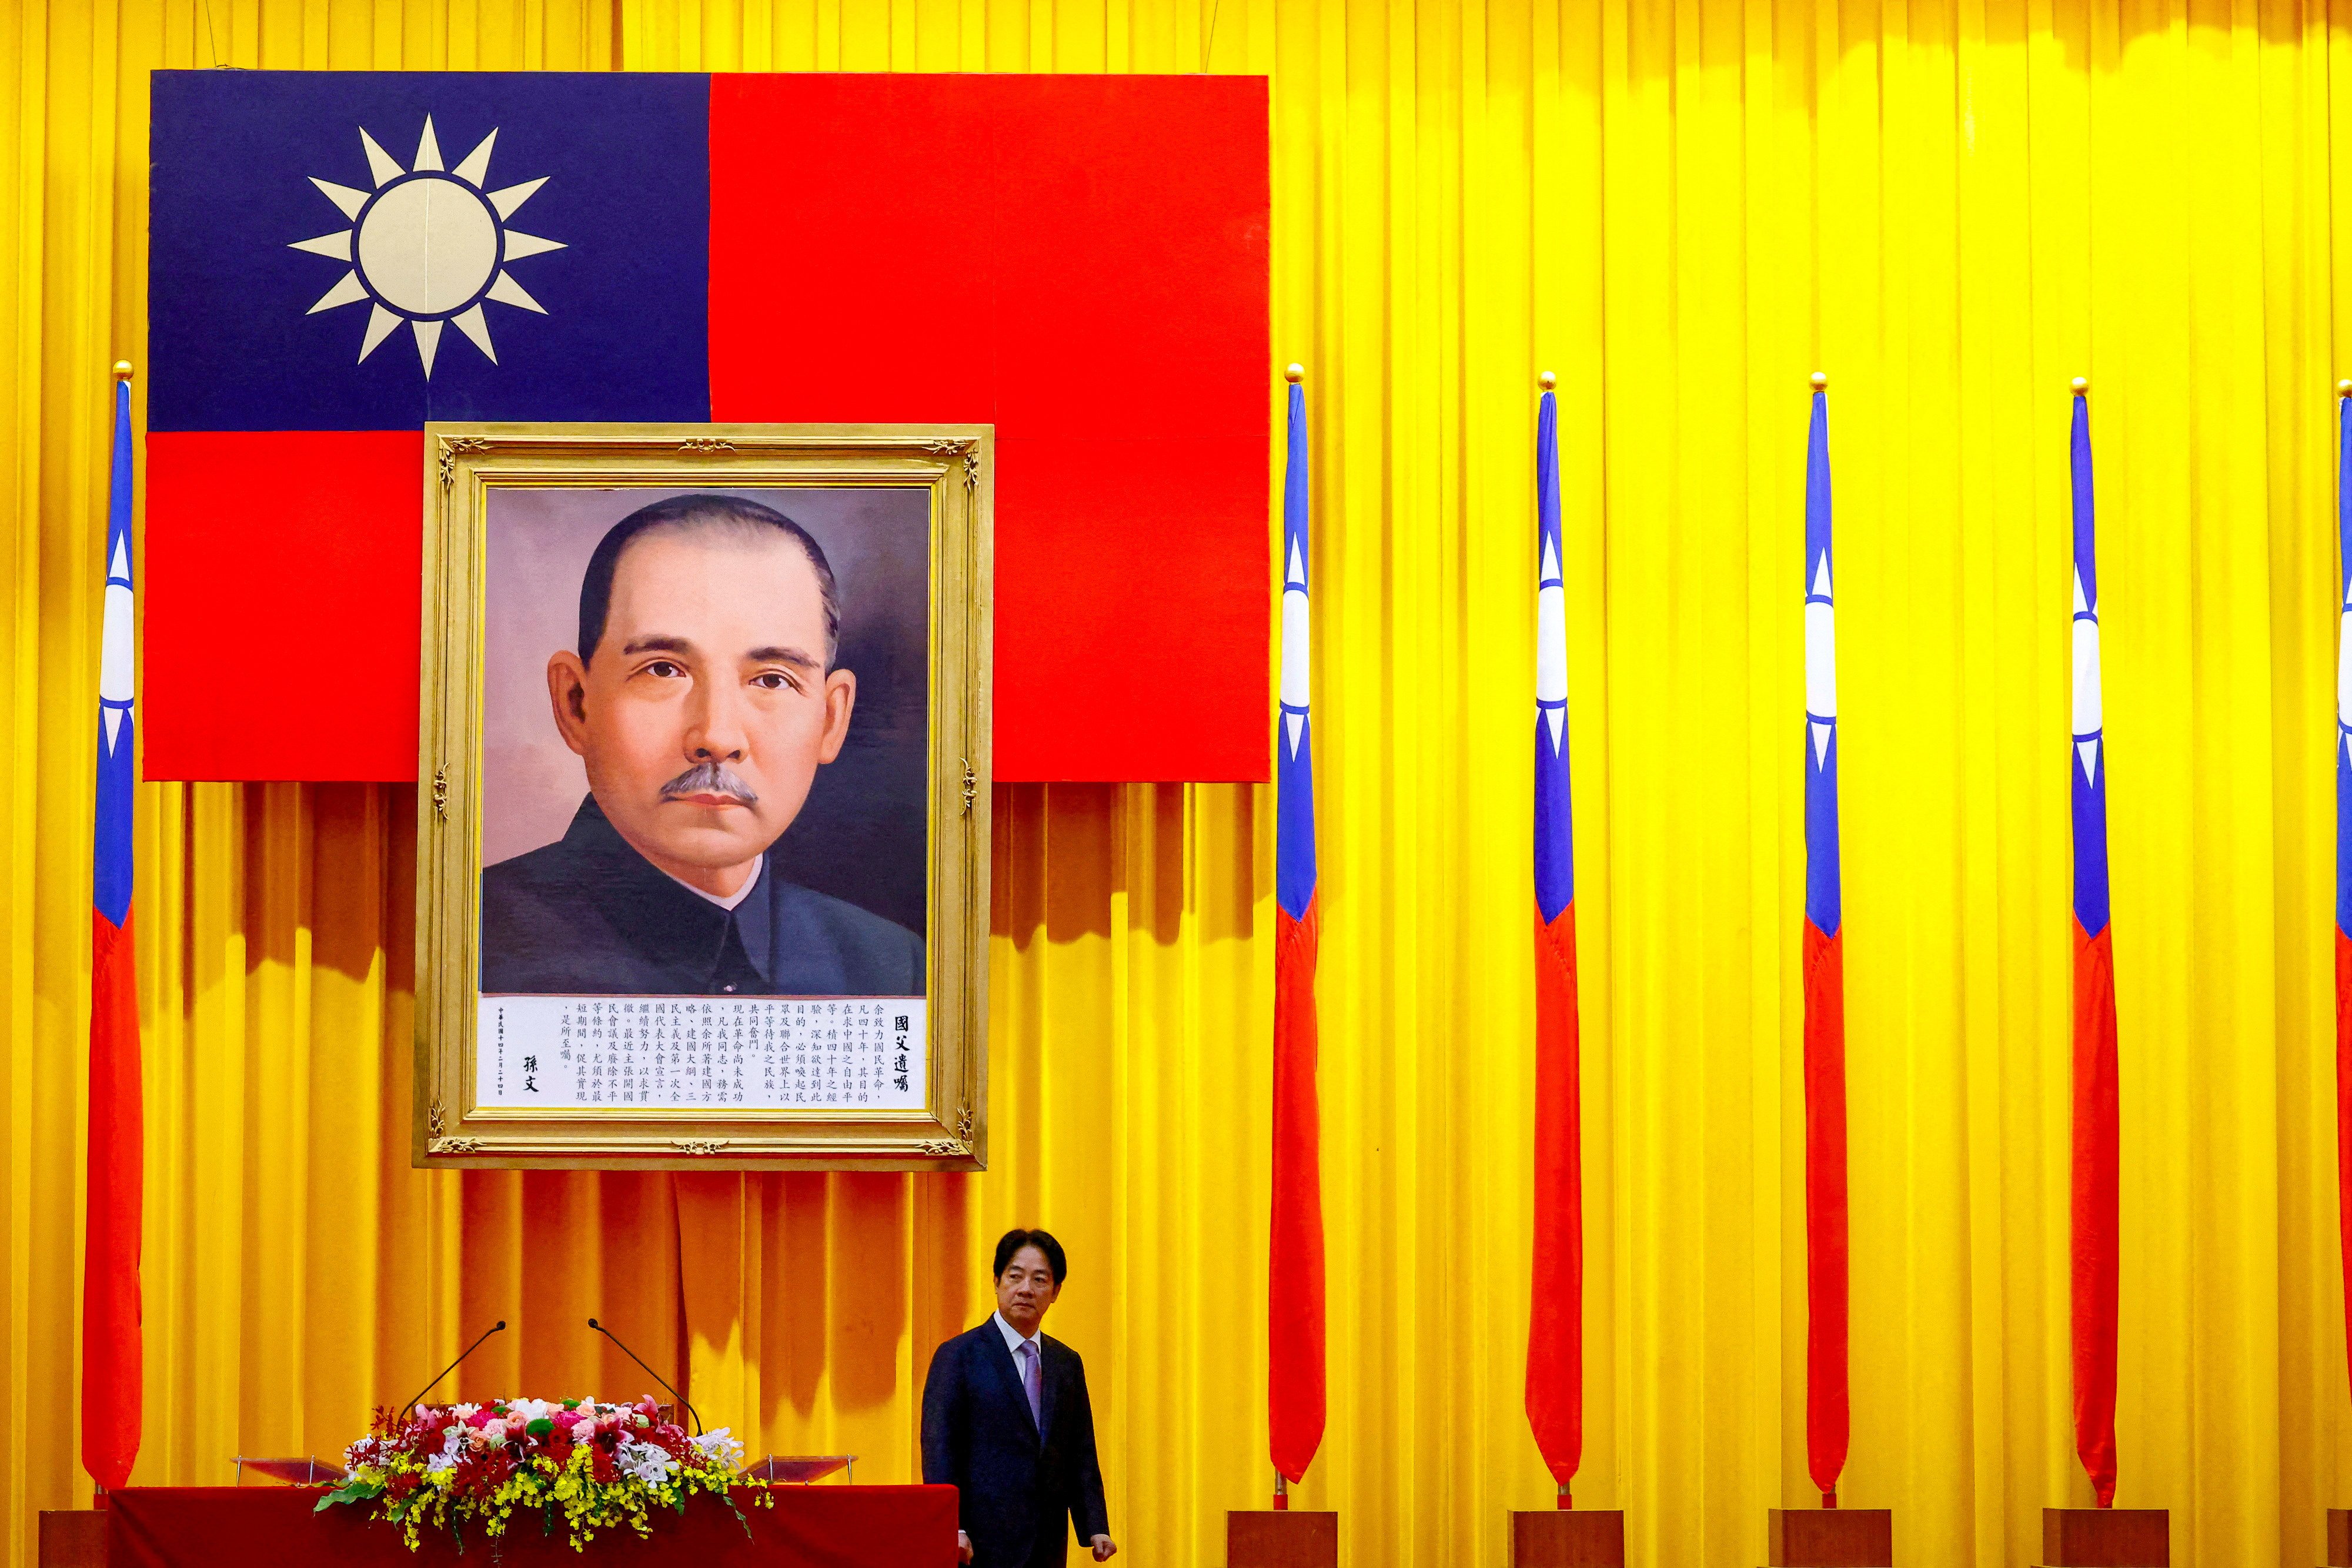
(1006,1421)
(702,699)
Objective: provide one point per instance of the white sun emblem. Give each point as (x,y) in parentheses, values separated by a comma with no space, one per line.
(427,245)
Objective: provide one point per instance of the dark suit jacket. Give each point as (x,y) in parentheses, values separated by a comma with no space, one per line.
(1017,1486)
(588,915)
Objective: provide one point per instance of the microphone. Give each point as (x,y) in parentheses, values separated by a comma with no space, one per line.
(445,1371)
(656,1376)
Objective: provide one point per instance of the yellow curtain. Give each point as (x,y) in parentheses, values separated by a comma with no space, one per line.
(1952,206)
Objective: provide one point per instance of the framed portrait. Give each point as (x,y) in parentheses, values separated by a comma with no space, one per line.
(703,840)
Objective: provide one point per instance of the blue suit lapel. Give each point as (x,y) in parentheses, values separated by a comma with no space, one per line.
(999,1356)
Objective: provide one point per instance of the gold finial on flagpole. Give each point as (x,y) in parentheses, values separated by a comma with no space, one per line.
(122,369)
(1545,380)
(2344,389)
(1821,380)
(2081,386)
(1293,373)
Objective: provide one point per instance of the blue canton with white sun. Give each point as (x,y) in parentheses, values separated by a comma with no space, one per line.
(374,250)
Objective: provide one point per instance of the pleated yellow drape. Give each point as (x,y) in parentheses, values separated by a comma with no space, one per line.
(1952,206)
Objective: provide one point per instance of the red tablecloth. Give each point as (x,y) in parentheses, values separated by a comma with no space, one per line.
(273,1527)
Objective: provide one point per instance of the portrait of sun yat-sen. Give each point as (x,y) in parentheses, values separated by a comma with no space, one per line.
(704,744)
(702,858)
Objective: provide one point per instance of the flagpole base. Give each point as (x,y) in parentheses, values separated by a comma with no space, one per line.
(1293,1538)
(1559,1537)
(1829,1537)
(73,1538)
(2106,1537)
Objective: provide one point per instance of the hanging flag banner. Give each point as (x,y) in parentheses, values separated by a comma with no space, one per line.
(1294,1275)
(339,257)
(111,1349)
(1827,1399)
(1556,1306)
(2096,1133)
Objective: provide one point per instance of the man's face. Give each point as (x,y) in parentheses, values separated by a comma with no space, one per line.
(1025,1290)
(706,709)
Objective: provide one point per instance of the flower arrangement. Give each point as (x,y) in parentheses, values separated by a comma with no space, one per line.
(594,1467)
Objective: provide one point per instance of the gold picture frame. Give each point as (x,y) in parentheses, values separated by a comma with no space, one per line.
(466,466)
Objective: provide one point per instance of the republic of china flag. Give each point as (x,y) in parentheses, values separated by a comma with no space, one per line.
(2343,846)
(1555,1391)
(1294,1407)
(1827,1400)
(111,1365)
(339,258)
(2096,1138)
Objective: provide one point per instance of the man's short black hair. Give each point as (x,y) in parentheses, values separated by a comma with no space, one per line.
(730,513)
(1044,1241)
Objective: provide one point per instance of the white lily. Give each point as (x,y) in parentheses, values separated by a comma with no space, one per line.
(720,1445)
(644,1462)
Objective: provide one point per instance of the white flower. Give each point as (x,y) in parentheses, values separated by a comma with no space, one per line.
(462,1411)
(451,1441)
(644,1462)
(718,1445)
(435,1464)
(529,1409)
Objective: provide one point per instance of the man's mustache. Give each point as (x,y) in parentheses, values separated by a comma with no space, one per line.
(711,778)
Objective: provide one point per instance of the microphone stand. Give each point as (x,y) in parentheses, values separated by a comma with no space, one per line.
(445,1371)
(656,1376)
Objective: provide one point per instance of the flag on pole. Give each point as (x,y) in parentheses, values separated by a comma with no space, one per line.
(1294,1275)
(2095,1135)
(1556,1308)
(2343,845)
(111,1365)
(1827,1402)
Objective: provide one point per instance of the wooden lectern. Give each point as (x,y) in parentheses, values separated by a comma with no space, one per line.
(2106,1537)
(2339,1538)
(1829,1537)
(1286,1538)
(1569,1538)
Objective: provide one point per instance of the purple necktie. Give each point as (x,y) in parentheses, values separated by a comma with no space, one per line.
(1032,1383)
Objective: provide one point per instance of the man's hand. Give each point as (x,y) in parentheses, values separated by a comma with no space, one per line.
(1105,1548)
(963,1547)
